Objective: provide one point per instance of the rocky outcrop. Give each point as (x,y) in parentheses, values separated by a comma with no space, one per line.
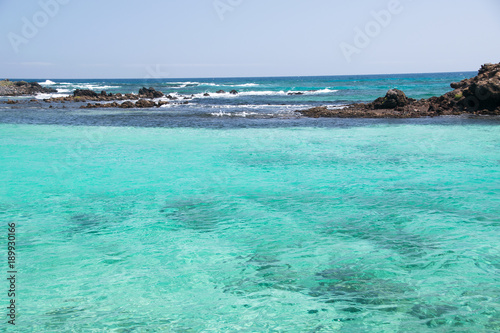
(150,93)
(481,92)
(479,95)
(127,105)
(19,88)
(233,92)
(85,93)
(393,99)
(142,103)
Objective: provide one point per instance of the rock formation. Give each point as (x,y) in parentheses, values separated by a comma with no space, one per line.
(150,93)
(19,88)
(479,95)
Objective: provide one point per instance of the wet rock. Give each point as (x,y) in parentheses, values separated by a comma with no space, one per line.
(127,105)
(99,105)
(394,98)
(19,88)
(233,92)
(220,92)
(150,92)
(142,103)
(483,91)
(479,95)
(206,94)
(295,93)
(85,93)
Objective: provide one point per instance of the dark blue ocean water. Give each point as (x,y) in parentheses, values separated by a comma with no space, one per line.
(259,102)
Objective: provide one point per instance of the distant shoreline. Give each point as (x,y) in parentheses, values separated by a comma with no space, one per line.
(479,95)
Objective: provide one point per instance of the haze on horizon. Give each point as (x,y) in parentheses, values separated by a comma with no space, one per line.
(56,39)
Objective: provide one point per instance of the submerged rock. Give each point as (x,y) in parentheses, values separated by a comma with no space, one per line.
(127,105)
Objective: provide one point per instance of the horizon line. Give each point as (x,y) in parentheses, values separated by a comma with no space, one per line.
(231,77)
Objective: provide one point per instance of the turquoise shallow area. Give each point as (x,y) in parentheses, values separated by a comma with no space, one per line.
(376,228)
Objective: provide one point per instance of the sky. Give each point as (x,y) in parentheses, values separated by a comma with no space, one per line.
(56,39)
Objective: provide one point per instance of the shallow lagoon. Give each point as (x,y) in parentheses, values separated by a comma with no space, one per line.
(374,227)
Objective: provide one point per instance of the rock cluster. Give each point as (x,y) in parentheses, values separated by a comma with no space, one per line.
(19,88)
(142,103)
(84,95)
(479,95)
(150,93)
(393,99)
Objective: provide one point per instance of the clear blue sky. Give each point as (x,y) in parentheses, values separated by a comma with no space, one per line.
(188,38)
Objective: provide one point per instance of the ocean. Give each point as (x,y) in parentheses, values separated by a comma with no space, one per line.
(234,214)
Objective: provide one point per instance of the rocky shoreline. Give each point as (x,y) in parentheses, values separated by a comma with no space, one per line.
(143,99)
(479,95)
(21,88)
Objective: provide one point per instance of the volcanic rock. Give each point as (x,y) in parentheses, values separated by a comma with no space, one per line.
(150,92)
(142,103)
(18,88)
(479,95)
(127,105)
(393,99)
(85,93)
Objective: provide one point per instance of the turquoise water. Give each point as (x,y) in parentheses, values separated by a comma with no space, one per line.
(379,227)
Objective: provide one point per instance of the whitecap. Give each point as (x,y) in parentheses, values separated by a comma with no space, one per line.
(93,86)
(44,96)
(47,82)
(248,85)
(321,91)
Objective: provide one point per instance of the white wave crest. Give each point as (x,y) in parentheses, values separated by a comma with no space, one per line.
(247,85)
(47,83)
(266,93)
(44,96)
(321,91)
(242,114)
(93,86)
